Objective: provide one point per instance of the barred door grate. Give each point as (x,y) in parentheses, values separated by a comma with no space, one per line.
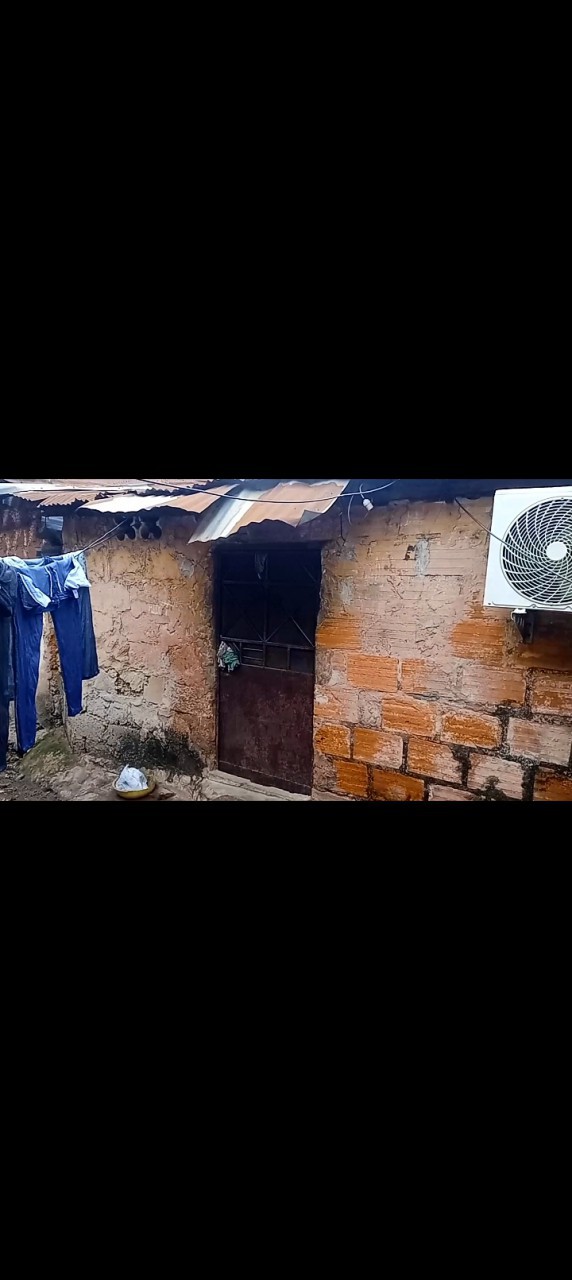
(268,611)
(269,608)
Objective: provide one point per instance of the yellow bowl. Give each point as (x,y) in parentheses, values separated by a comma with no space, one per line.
(136,795)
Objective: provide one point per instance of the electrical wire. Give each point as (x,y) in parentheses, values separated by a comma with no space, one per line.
(362,492)
(190,489)
(280,502)
(482,526)
(97,541)
(529,559)
(185,488)
(272,502)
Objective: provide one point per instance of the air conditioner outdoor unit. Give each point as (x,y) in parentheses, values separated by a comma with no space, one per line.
(530,552)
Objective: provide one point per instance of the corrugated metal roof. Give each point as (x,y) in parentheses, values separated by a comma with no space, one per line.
(195,503)
(182,484)
(58,499)
(72,490)
(292,502)
(91,485)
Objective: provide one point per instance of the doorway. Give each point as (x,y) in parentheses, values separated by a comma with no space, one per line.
(269,604)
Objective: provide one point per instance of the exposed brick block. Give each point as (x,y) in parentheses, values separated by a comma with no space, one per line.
(406,715)
(551,786)
(550,742)
(420,676)
(378,748)
(367,672)
(391,636)
(471,729)
(352,778)
(335,704)
(480,638)
(433,760)
(491,687)
(339,633)
(333,740)
(396,786)
(490,774)
(552,694)
(448,793)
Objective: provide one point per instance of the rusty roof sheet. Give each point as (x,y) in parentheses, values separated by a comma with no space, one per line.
(181,484)
(291,502)
(92,485)
(193,503)
(58,499)
(198,502)
(31,490)
(226,511)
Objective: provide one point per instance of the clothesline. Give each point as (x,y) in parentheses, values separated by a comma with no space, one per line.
(82,551)
(97,541)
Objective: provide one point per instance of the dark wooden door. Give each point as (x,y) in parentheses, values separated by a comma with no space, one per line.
(269,611)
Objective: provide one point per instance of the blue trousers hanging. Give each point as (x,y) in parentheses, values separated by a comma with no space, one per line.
(4,730)
(8,591)
(28,630)
(90,661)
(53,585)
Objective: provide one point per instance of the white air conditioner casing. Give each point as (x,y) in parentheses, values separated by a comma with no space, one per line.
(530,552)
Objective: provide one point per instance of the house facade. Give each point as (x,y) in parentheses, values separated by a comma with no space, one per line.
(370,668)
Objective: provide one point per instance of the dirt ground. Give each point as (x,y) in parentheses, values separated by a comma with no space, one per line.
(52,772)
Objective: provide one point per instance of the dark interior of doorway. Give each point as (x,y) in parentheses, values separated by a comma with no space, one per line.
(269,599)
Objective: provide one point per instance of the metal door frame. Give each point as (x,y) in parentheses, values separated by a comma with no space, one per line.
(219,552)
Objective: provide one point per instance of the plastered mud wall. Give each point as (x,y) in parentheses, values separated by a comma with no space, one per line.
(421,692)
(154,700)
(18,531)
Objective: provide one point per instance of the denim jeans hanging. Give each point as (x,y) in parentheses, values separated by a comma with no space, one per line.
(8,591)
(90,661)
(55,585)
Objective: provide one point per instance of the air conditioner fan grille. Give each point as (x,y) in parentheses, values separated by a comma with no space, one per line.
(537,553)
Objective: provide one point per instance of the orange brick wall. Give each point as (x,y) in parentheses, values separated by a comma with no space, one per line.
(422,693)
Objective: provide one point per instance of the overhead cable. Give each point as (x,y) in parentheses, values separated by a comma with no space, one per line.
(285,502)
(529,559)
